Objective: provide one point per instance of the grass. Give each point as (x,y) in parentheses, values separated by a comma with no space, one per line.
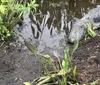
(11,11)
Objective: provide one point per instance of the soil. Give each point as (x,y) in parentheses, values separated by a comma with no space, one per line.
(18,65)
(87,60)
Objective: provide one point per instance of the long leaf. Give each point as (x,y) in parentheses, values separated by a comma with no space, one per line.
(74,71)
(31,47)
(76,44)
(90,30)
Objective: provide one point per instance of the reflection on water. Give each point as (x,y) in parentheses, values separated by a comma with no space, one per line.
(48,23)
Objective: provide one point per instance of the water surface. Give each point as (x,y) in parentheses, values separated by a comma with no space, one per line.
(47,26)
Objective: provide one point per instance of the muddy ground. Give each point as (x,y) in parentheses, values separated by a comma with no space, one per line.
(18,65)
(87,60)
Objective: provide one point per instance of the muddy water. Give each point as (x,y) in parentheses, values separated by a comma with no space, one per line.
(48,25)
(47,28)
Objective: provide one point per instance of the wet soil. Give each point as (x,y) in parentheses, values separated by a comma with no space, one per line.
(87,60)
(18,65)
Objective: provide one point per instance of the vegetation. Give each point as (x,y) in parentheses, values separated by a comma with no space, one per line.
(63,72)
(90,31)
(11,12)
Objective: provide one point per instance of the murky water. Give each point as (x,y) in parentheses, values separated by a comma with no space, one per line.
(48,24)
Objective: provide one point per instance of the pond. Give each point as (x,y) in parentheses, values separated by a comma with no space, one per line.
(47,28)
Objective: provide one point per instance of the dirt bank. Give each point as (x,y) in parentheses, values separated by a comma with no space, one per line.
(87,59)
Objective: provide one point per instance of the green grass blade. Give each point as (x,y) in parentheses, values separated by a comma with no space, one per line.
(74,71)
(31,47)
(76,44)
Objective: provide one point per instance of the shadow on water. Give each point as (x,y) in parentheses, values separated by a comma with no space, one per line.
(48,24)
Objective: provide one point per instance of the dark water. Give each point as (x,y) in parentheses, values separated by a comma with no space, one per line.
(47,26)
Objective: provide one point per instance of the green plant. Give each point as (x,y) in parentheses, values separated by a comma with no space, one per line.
(63,73)
(11,12)
(90,31)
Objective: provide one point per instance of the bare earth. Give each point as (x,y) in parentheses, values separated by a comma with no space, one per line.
(18,66)
(87,59)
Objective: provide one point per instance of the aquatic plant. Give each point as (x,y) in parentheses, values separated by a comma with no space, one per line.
(11,11)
